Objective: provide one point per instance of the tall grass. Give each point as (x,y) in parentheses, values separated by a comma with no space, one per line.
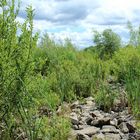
(15,67)
(128,72)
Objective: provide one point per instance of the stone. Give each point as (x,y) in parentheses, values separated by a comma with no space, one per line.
(106,114)
(95,122)
(114,122)
(75,127)
(110,136)
(117,105)
(107,136)
(86,118)
(130,127)
(77,110)
(105,120)
(123,127)
(85,114)
(124,136)
(79,127)
(90,123)
(82,126)
(114,115)
(59,110)
(96,113)
(99,136)
(87,108)
(74,118)
(133,123)
(99,122)
(124,117)
(90,130)
(72,135)
(124,113)
(132,136)
(82,137)
(137,135)
(74,105)
(89,99)
(109,129)
(74,121)
(90,103)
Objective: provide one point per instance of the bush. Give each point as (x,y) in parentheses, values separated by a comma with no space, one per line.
(127,62)
(107,43)
(55,128)
(105,97)
(15,66)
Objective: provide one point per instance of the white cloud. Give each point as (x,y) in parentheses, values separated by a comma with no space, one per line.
(81,40)
(65,18)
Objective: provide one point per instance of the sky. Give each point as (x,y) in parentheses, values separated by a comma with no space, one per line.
(75,19)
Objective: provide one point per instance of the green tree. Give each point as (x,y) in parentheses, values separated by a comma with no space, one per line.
(107,43)
(134,35)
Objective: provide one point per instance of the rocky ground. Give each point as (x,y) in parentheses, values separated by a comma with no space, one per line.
(90,123)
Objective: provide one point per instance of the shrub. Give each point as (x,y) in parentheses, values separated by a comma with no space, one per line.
(15,66)
(107,43)
(105,97)
(128,72)
(55,128)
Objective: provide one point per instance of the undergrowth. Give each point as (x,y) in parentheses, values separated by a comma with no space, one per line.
(36,79)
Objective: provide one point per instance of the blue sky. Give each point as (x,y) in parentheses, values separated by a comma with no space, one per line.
(75,19)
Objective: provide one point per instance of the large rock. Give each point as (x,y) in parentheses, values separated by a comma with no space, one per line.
(77,111)
(75,104)
(109,129)
(86,118)
(96,114)
(89,99)
(107,136)
(99,136)
(87,108)
(131,127)
(90,130)
(114,122)
(90,103)
(99,122)
(74,119)
(82,137)
(117,104)
(123,127)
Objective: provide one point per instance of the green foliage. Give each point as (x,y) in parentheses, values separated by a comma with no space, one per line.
(127,69)
(33,77)
(15,66)
(105,97)
(65,70)
(55,128)
(134,35)
(106,43)
(91,76)
(126,59)
(133,88)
